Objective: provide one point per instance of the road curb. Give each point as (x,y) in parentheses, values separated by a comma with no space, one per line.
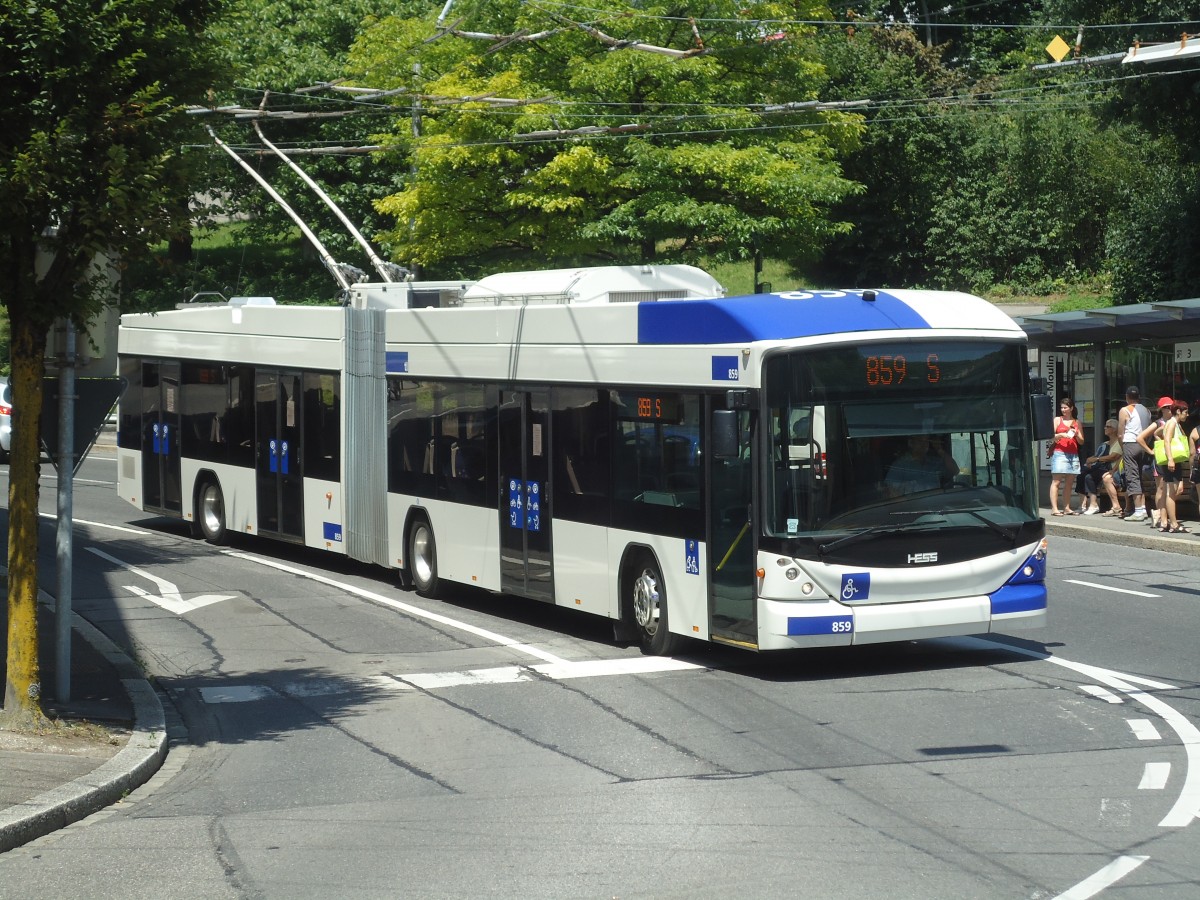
(132,766)
(1188,544)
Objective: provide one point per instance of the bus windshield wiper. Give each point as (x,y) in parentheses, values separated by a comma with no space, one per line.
(1011,531)
(875,531)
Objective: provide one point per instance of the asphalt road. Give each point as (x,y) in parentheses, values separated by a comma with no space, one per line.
(347,738)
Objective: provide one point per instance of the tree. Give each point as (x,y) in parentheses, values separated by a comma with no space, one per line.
(637,135)
(90,171)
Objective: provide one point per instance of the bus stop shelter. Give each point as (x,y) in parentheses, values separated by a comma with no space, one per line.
(1093,355)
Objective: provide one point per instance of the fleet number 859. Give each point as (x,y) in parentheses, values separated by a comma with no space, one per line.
(842,626)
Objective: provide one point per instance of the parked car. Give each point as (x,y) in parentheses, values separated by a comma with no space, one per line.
(5,418)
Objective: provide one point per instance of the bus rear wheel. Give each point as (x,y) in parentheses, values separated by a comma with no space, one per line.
(422,559)
(210,513)
(647,592)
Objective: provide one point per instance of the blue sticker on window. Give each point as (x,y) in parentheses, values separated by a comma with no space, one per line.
(724,368)
(516,503)
(533,506)
(856,586)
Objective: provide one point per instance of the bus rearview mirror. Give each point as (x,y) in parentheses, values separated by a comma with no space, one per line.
(725,433)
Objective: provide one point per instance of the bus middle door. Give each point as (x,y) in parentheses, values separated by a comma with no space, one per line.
(161,469)
(526,566)
(279,467)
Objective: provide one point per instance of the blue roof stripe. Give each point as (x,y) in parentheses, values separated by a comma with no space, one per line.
(769,317)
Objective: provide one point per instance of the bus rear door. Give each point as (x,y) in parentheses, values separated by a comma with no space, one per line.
(161,471)
(524,429)
(279,466)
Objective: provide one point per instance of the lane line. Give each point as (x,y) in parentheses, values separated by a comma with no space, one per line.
(1155,776)
(408,609)
(1096,691)
(1115,590)
(1187,804)
(1106,877)
(1144,730)
(54,518)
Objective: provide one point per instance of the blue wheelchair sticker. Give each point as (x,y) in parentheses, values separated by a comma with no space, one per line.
(691,558)
(856,586)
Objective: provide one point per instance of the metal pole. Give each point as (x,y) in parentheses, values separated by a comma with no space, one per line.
(66,499)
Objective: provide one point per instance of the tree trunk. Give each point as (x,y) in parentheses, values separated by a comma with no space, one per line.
(22,684)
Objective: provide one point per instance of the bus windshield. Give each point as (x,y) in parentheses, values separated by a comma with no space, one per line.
(877,438)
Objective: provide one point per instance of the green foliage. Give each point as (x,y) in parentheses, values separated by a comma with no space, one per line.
(680,162)
(232,261)
(93,97)
(1154,246)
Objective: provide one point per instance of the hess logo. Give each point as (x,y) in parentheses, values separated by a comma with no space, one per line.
(915,559)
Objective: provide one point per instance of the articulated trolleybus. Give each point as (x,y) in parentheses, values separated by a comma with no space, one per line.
(782,470)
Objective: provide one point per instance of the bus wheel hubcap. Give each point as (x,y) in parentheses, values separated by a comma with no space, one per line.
(645,602)
(422,564)
(211,510)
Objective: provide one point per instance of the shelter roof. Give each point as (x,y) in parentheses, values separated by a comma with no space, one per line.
(1163,322)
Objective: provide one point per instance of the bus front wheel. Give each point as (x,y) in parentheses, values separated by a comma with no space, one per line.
(210,513)
(422,559)
(647,592)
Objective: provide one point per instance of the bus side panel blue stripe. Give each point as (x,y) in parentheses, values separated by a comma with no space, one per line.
(1015,598)
(768,317)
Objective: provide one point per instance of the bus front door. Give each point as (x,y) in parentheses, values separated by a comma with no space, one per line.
(279,458)
(161,473)
(524,428)
(731,542)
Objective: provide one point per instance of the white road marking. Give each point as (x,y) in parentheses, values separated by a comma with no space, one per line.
(432,681)
(633,665)
(406,608)
(1187,804)
(1144,730)
(168,597)
(1115,812)
(99,525)
(1096,691)
(1154,776)
(1106,877)
(1109,587)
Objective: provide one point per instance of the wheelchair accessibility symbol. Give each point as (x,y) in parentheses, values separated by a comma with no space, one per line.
(856,586)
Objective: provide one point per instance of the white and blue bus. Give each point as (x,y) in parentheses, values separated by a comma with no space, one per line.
(782,470)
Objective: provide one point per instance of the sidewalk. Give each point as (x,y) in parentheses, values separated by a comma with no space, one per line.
(47,781)
(1112,530)
(45,785)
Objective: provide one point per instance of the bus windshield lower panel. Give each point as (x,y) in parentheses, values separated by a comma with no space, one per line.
(877,440)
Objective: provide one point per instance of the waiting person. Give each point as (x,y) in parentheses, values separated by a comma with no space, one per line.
(1064,457)
(923,467)
(1097,473)
(1151,443)
(1132,420)
(1175,451)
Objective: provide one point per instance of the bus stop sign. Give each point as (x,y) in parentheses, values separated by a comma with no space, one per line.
(94,400)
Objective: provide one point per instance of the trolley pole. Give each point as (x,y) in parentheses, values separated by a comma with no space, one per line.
(66,501)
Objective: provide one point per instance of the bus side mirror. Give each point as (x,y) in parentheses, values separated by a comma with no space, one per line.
(1042,406)
(725,434)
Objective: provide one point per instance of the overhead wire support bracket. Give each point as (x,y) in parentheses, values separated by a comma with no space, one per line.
(332,265)
(389,272)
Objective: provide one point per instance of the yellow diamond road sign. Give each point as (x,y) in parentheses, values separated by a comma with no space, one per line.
(1058,48)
